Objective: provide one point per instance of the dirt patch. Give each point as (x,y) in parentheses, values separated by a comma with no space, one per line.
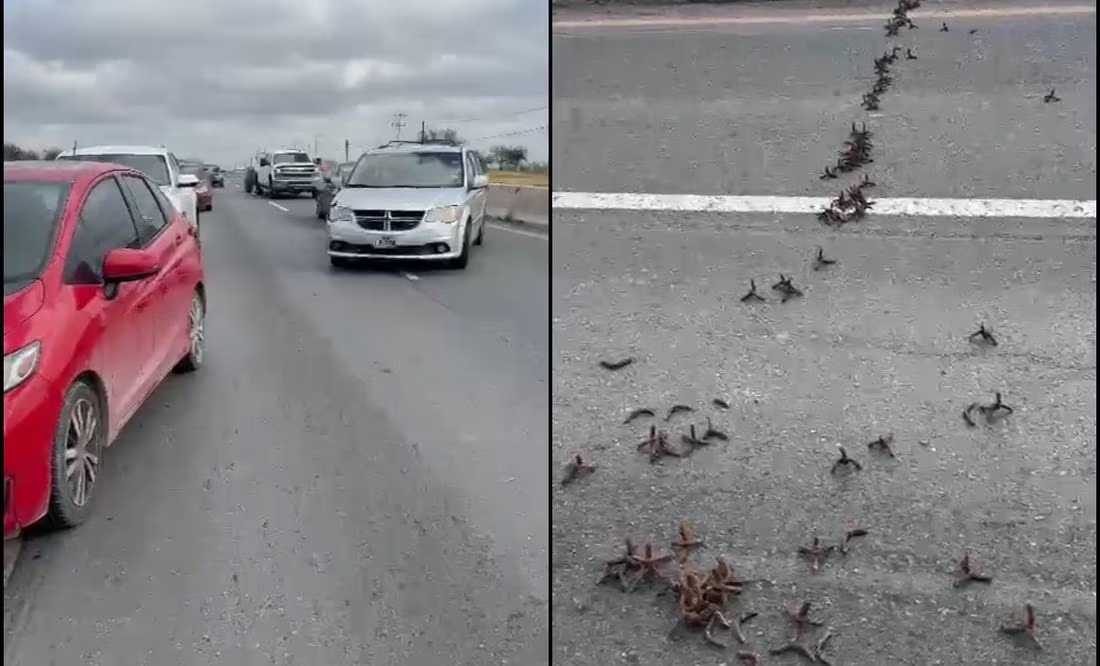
(519,178)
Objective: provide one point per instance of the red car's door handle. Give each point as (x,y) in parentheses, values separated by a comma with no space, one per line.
(179,238)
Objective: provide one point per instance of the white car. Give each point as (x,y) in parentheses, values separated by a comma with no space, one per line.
(157,163)
(410,201)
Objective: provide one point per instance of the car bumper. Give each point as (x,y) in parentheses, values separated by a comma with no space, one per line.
(292,185)
(427,242)
(31,412)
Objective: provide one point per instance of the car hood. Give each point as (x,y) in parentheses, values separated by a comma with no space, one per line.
(22,305)
(399,198)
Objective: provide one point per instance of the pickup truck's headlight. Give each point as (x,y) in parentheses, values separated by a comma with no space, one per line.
(446,214)
(20,364)
(341,214)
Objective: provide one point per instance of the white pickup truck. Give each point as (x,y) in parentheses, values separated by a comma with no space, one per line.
(157,163)
(287,171)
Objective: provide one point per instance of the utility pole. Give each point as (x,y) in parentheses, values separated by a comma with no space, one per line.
(423,132)
(347,147)
(74,148)
(315,151)
(399,123)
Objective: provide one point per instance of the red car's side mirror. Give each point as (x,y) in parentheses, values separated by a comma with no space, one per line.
(126,265)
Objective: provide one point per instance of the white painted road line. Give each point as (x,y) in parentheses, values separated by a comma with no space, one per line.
(285,210)
(518,231)
(11,555)
(410,276)
(983,208)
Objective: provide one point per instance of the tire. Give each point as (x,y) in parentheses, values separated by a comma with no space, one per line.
(339,262)
(320,213)
(270,190)
(81,436)
(462,260)
(480,234)
(196,330)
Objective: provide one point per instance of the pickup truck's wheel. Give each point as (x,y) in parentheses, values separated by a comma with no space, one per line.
(78,445)
(270,190)
(339,262)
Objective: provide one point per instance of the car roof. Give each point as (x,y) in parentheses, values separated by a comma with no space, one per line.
(64,170)
(118,150)
(417,148)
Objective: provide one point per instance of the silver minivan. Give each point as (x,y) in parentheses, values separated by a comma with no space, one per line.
(410,201)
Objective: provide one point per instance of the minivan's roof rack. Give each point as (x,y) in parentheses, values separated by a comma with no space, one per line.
(426,142)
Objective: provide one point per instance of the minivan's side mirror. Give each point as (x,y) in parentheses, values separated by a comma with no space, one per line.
(265,162)
(479,181)
(189,180)
(127,265)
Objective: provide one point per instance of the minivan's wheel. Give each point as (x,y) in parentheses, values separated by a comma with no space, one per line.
(480,234)
(463,259)
(78,445)
(196,334)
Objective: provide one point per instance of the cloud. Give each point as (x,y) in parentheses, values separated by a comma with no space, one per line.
(221,79)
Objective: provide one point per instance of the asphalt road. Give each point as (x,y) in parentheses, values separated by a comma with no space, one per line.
(349,480)
(877,344)
(760,109)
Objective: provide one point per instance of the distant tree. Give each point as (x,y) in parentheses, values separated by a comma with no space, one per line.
(508,157)
(429,134)
(13,153)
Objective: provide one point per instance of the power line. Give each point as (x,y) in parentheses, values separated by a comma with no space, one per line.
(530,130)
(456,121)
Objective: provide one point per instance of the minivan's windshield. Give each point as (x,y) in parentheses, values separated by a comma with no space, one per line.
(31,211)
(426,169)
(153,166)
(291,158)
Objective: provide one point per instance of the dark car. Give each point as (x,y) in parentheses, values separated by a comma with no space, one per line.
(333,181)
(217,176)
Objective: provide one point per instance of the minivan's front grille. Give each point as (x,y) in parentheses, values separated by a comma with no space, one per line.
(388,220)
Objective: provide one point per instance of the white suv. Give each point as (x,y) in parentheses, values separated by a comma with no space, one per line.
(410,201)
(157,163)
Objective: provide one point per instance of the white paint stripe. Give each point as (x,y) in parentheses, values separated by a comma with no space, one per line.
(1029,208)
(11,556)
(285,210)
(521,232)
(412,277)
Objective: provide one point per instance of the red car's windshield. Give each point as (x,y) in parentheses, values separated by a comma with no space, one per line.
(31,212)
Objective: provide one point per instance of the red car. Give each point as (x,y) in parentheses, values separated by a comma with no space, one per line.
(204,192)
(103,297)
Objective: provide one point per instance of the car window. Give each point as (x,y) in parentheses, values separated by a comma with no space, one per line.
(150,218)
(472,167)
(420,169)
(31,213)
(104,224)
(292,158)
(153,166)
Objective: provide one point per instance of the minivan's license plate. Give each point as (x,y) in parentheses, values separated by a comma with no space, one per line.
(385,241)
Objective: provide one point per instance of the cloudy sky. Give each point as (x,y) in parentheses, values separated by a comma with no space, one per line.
(219,79)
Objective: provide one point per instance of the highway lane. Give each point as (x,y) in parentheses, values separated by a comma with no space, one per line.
(760,109)
(877,344)
(349,480)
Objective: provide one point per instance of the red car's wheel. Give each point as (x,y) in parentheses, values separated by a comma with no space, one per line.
(78,447)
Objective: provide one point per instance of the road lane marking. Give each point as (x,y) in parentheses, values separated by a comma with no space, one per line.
(411,276)
(719,21)
(11,556)
(984,208)
(285,210)
(518,231)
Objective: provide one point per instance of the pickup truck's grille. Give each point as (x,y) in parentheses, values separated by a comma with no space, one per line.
(388,220)
(295,173)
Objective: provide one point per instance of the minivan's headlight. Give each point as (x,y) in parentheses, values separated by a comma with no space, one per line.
(341,214)
(447,214)
(20,364)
